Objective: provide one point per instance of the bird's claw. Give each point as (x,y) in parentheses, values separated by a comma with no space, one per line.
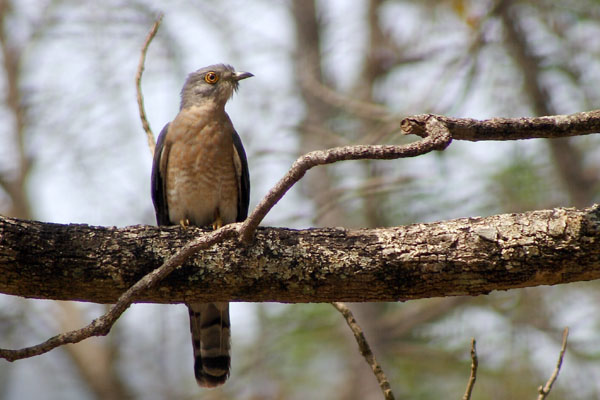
(217,223)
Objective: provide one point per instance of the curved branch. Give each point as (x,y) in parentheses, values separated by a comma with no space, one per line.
(138,83)
(436,136)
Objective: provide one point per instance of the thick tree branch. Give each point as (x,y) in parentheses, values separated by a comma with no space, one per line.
(102,325)
(468,256)
(582,123)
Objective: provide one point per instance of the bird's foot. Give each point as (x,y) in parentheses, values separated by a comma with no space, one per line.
(184,222)
(218,222)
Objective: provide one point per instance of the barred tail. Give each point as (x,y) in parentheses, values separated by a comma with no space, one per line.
(209,323)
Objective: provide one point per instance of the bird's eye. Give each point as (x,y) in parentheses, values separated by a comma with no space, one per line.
(211,77)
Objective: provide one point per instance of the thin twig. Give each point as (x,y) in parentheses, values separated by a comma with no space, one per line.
(365,350)
(101,326)
(545,390)
(473,375)
(138,83)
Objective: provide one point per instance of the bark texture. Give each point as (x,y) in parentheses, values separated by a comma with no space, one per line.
(468,256)
(549,127)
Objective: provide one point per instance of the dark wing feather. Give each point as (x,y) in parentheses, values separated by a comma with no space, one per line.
(158,184)
(244,192)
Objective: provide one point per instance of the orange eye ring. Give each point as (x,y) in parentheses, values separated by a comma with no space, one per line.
(211,77)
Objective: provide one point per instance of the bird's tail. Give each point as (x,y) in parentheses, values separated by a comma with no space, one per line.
(209,323)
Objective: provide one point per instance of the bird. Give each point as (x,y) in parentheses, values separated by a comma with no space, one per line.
(200,178)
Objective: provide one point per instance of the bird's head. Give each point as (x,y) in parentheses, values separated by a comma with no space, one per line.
(215,83)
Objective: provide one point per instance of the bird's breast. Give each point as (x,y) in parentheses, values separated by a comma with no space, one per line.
(201,177)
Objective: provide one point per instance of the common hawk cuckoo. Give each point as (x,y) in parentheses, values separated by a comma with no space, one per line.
(200,177)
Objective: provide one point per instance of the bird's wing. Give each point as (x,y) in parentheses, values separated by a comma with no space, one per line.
(241,169)
(158,183)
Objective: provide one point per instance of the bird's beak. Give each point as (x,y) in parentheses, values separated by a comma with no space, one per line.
(238,76)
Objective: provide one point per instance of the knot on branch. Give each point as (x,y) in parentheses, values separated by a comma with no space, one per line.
(438,132)
(428,126)
(416,124)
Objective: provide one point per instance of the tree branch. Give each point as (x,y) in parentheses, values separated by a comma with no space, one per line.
(545,390)
(138,83)
(101,326)
(468,256)
(365,350)
(473,374)
(582,123)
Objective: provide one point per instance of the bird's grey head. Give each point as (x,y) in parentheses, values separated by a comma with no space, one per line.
(215,83)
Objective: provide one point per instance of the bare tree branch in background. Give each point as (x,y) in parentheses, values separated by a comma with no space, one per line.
(95,361)
(352,105)
(473,374)
(138,83)
(365,350)
(544,391)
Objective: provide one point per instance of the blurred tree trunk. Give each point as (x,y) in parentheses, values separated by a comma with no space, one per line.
(568,159)
(95,361)
(370,315)
(13,181)
(307,67)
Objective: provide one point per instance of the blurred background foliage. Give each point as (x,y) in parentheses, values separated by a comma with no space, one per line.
(327,73)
